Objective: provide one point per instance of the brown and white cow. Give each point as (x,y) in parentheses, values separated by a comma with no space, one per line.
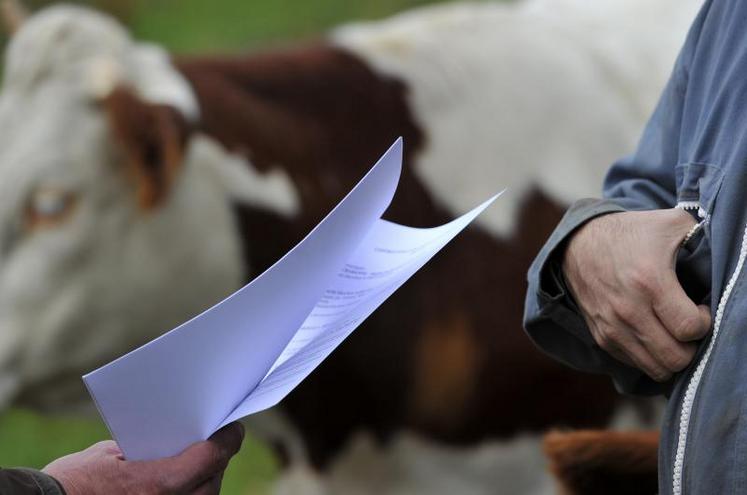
(135,191)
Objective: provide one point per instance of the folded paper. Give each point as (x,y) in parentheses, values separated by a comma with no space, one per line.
(249,351)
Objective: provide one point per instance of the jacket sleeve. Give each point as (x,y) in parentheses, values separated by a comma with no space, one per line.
(644,180)
(23,481)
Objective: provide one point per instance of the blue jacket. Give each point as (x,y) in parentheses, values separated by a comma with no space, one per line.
(693,154)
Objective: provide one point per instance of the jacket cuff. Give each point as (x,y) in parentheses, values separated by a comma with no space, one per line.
(552,318)
(39,482)
(546,272)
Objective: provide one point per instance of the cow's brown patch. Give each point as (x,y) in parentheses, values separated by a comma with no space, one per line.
(446,367)
(152,139)
(319,113)
(594,462)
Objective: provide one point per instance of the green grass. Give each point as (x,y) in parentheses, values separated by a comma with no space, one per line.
(200,26)
(32,440)
(189,26)
(28,439)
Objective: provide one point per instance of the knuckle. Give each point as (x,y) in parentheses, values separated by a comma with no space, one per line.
(662,374)
(659,375)
(215,457)
(642,279)
(627,312)
(603,340)
(109,447)
(689,327)
(676,362)
(103,446)
(613,335)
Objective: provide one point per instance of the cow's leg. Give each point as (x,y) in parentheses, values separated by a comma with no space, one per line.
(274,428)
(297,477)
(300,479)
(414,465)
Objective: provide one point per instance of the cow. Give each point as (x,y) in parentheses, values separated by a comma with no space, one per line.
(137,189)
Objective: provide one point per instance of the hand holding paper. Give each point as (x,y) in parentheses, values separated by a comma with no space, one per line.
(249,351)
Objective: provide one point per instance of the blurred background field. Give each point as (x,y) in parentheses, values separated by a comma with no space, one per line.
(203,26)
(190,26)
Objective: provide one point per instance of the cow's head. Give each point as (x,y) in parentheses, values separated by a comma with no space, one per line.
(104,201)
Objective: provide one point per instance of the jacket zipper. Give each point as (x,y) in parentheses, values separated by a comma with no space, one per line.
(702,214)
(693,206)
(695,378)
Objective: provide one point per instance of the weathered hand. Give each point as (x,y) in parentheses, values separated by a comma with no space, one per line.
(101,469)
(620,270)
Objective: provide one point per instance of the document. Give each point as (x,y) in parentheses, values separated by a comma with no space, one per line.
(246,353)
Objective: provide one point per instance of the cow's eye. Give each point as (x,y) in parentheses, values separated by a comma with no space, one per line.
(48,206)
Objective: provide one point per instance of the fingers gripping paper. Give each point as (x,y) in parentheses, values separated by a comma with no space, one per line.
(250,350)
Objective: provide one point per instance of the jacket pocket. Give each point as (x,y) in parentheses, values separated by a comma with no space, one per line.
(697,187)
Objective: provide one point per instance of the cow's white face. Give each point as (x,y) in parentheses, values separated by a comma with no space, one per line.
(51,189)
(86,270)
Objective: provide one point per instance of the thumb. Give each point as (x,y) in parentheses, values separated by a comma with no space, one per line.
(203,460)
(705,317)
(682,318)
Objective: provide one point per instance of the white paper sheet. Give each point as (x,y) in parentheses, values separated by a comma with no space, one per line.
(249,351)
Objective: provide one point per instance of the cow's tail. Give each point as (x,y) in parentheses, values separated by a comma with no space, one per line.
(603,461)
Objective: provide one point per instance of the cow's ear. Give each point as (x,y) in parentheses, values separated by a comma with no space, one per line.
(152,139)
(13,14)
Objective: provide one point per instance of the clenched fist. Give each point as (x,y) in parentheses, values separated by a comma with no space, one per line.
(620,270)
